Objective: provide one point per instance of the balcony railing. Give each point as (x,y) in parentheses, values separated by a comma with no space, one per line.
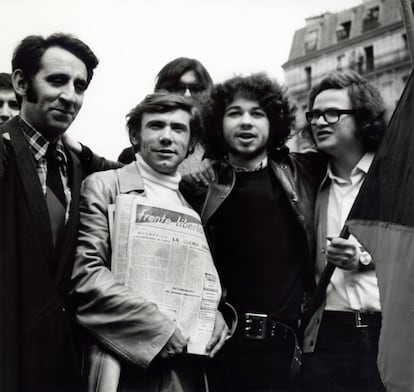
(370,24)
(380,62)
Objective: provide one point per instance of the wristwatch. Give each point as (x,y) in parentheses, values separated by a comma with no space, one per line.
(365,259)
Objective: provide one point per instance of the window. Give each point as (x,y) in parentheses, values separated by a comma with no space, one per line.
(371,19)
(343,31)
(308,73)
(311,41)
(369,58)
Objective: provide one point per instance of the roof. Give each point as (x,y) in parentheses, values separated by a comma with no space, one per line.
(325,26)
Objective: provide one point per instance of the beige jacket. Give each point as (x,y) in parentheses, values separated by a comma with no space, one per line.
(127,325)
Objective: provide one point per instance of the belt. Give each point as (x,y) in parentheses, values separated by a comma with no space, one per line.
(261,327)
(353,319)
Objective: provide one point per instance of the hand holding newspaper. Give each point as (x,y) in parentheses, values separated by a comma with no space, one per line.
(163,256)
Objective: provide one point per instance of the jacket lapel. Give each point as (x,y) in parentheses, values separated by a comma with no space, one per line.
(219,190)
(130,179)
(31,185)
(321,219)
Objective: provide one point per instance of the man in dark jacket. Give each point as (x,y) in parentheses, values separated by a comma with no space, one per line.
(39,195)
(258,215)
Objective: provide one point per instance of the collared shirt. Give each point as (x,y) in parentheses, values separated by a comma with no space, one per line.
(261,165)
(349,290)
(38,146)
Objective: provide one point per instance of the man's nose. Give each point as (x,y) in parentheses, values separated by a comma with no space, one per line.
(4,118)
(166,135)
(5,112)
(187,92)
(320,121)
(68,93)
(246,120)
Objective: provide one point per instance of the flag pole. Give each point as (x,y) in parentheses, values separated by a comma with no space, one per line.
(407,14)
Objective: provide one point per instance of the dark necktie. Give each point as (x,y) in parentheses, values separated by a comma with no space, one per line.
(54,180)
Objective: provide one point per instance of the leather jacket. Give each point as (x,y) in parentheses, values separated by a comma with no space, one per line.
(129,326)
(299,176)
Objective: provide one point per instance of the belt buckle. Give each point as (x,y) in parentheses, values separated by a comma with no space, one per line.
(255,326)
(358,321)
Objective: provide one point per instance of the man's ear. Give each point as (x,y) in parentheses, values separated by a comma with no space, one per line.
(135,139)
(191,146)
(20,83)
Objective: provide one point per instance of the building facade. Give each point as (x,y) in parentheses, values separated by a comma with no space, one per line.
(369,38)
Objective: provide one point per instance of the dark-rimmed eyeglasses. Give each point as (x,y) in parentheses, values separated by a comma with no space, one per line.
(331,115)
(180,88)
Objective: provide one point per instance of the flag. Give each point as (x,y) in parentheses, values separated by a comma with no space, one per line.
(382,218)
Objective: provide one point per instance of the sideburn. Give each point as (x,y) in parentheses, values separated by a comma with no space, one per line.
(31,93)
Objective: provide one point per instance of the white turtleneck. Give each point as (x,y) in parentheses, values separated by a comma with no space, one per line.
(162,188)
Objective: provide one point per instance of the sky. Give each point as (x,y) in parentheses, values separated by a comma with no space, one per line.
(134,39)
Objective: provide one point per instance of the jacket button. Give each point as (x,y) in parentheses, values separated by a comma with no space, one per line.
(63,309)
(283,166)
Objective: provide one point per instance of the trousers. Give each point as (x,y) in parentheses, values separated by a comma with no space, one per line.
(345,357)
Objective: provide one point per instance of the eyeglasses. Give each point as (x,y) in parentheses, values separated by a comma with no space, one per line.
(331,115)
(180,88)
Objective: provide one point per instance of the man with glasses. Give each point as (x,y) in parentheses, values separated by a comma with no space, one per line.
(346,122)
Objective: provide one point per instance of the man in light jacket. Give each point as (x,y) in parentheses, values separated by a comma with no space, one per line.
(146,342)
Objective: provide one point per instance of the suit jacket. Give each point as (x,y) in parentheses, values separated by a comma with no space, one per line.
(37,350)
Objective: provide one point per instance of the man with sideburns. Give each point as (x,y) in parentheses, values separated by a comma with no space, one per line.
(39,194)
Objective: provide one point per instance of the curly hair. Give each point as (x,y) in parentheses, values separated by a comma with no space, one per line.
(268,93)
(162,103)
(365,99)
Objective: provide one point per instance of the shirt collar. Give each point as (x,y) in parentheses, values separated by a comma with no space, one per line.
(39,144)
(261,165)
(362,166)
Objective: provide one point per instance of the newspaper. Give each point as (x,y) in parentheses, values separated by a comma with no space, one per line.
(163,256)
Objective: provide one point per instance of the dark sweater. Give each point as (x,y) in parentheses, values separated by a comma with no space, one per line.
(259,247)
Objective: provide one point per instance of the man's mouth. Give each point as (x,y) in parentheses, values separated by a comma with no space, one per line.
(246,136)
(323,134)
(165,151)
(64,111)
